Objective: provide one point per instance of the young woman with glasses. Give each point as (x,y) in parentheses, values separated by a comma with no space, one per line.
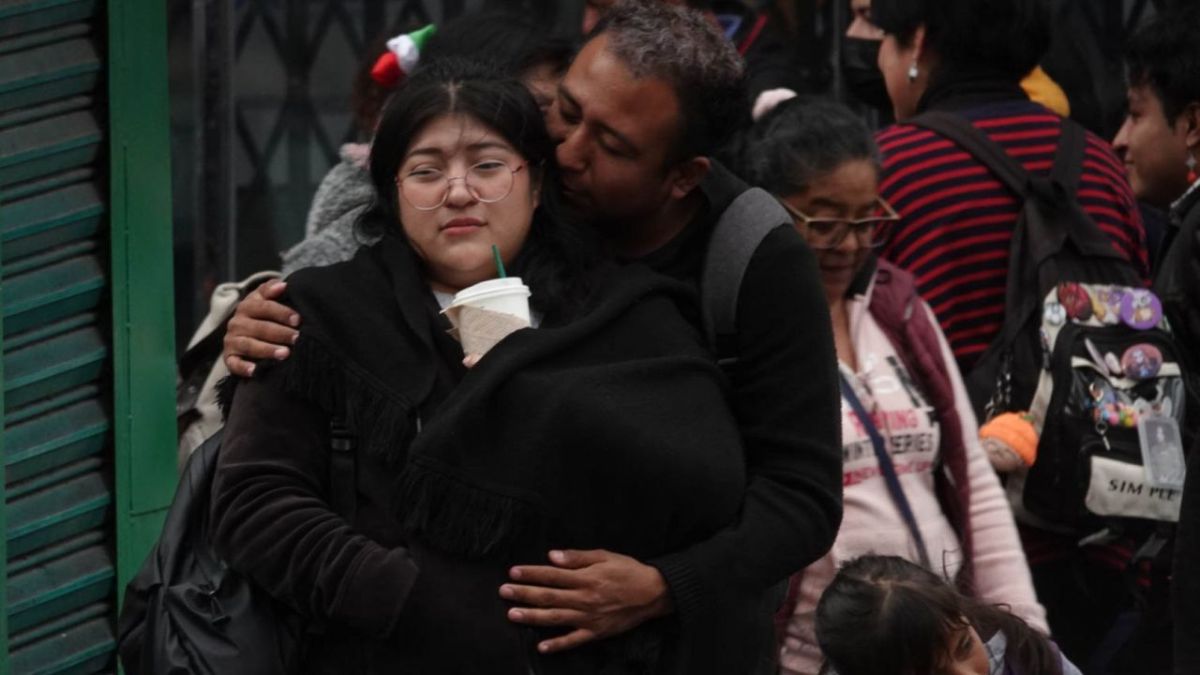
(821,163)
(604,427)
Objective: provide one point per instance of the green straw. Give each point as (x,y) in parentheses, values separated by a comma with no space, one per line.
(499,262)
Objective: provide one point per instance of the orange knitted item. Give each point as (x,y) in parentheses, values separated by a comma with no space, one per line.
(1011,432)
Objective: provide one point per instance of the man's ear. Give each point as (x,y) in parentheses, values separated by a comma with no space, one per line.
(687,176)
(1191,121)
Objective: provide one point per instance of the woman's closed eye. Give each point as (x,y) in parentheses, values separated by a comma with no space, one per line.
(489,166)
(424,174)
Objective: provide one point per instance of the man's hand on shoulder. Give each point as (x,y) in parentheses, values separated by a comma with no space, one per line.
(261,328)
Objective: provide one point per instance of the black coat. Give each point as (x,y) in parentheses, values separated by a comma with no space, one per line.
(647,476)
(1177,276)
(1177,281)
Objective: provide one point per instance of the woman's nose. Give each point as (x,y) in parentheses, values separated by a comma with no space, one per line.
(458,193)
(850,243)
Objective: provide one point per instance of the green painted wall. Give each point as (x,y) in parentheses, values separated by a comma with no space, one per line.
(87,373)
(142,280)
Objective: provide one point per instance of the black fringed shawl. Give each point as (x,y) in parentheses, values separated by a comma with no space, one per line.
(611,432)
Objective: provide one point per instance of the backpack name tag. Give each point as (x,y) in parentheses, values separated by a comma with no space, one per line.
(1162,451)
(1121,489)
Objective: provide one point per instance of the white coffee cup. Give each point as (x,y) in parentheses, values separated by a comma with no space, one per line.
(505,296)
(488,312)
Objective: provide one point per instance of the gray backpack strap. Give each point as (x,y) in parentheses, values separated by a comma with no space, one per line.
(737,235)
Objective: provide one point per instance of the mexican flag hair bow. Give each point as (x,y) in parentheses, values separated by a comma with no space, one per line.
(402,56)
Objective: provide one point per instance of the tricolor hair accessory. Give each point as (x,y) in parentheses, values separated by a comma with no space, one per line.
(401,58)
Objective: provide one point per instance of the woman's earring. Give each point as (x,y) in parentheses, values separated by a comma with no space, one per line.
(1191,165)
(913,72)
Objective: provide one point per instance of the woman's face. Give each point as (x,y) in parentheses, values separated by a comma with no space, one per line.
(455,238)
(1154,149)
(848,192)
(895,60)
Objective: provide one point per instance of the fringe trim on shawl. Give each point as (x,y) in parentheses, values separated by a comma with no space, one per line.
(459,518)
(382,422)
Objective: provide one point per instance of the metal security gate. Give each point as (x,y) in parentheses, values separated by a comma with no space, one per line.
(262,94)
(61,574)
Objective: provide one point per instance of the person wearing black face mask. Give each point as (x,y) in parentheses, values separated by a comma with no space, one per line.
(864,80)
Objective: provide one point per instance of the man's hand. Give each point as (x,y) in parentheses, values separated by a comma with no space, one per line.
(598,593)
(260,329)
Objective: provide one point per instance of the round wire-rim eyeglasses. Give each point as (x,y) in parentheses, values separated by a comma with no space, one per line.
(446,182)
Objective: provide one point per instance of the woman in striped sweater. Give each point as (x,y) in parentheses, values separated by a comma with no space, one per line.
(956,221)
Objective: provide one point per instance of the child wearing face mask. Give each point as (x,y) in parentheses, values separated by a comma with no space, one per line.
(883,615)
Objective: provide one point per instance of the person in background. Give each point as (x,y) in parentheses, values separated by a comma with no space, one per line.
(1160,145)
(969,57)
(956,221)
(860,68)
(514,44)
(773,69)
(642,107)
(821,162)
(883,615)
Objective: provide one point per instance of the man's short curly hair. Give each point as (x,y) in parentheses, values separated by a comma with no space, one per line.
(682,47)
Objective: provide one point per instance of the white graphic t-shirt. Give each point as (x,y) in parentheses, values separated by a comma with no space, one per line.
(871,523)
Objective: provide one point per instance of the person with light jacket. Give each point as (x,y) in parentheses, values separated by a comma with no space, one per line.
(822,164)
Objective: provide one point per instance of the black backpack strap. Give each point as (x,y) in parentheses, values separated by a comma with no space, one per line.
(737,235)
(1055,191)
(964,134)
(342,472)
(1068,160)
(1018,181)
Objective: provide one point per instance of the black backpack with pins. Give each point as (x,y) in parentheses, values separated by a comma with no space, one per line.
(1083,350)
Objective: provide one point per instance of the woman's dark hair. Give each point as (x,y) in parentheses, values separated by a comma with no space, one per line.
(1164,55)
(508,41)
(798,141)
(558,250)
(884,615)
(996,38)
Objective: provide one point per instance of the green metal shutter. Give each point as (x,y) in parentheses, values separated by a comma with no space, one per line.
(57,442)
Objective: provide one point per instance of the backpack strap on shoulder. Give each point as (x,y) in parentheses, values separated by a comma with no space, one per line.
(738,233)
(964,134)
(1068,159)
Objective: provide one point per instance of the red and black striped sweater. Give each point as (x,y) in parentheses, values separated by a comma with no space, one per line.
(957,218)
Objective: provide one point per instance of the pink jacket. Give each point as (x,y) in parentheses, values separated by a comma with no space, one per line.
(956,497)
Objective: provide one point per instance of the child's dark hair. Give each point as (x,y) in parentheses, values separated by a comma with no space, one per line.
(884,615)
(558,250)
